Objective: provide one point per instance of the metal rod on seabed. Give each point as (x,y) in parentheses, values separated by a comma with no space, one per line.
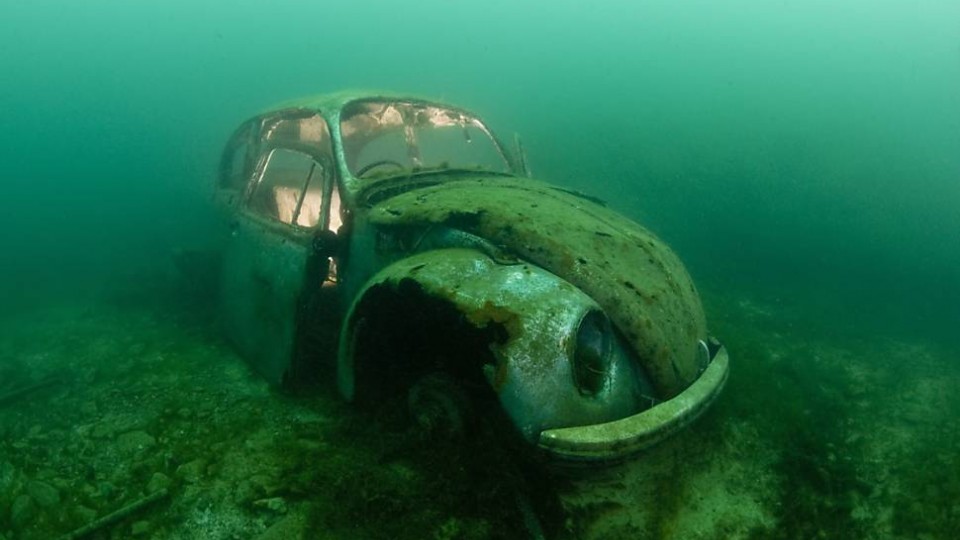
(115,516)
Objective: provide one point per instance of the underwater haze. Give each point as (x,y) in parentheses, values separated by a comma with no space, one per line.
(800,145)
(801,157)
(795,144)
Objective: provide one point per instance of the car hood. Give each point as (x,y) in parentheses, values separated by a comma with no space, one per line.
(632,274)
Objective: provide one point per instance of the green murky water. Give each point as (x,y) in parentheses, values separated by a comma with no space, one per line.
(803,159)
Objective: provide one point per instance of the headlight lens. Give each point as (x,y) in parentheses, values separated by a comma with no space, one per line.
(591,357)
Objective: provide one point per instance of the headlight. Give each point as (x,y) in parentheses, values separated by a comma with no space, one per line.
(591,355)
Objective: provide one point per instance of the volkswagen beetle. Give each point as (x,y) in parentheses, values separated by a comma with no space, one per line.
(391,243)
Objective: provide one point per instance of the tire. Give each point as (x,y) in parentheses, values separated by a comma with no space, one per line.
(439,407)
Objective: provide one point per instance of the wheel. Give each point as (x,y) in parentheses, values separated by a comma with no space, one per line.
(439,406)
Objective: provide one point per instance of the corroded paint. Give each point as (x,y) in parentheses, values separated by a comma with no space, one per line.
(489,313)
(539,313)
(625,268)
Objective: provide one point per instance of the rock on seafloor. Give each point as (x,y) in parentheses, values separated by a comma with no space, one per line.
(43,493)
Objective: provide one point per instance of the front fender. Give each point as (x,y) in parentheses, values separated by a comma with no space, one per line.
(536,314)
(641,284)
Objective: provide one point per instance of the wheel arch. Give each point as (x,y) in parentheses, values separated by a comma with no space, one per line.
(397,331)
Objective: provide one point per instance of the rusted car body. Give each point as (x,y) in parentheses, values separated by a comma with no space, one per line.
(383,241)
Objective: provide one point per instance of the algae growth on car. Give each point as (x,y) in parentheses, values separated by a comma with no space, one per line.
(396,246)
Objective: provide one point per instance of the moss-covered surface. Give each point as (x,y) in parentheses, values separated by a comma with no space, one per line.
(629,271)
(824,431)
(150,398)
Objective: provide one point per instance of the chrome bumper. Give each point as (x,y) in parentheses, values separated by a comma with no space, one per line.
(620,438)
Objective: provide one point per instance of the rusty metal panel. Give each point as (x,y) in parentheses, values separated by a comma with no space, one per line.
(263,275)
(632,274)
(539,314)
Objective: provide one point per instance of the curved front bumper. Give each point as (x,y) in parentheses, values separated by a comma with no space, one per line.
(620,438)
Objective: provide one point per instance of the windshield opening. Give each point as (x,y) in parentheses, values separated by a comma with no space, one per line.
(390,138)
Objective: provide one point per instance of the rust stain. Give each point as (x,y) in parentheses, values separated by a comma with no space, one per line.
(492,313)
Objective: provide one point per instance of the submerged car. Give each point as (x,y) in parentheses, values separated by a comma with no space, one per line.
(394,244)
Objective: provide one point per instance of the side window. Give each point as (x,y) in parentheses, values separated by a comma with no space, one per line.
(290,189)
(237,161)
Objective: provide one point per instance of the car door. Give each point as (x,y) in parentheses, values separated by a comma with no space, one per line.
(269,262)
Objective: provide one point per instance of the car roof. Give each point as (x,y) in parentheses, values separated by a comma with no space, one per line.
(336,100)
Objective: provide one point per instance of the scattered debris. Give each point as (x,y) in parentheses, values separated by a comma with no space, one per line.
(116,516)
